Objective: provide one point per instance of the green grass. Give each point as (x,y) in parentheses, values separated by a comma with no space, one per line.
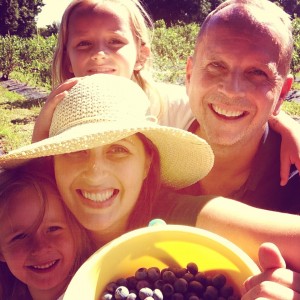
(292,108)
(16,122)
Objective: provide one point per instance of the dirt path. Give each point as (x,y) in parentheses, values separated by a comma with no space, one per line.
(30,93)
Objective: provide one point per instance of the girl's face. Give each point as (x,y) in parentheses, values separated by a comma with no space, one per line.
(101,185)
(41,258)
(100,40)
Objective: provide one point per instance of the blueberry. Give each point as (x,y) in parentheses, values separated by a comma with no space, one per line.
(188,277)
(111,287)
(192,268)
(201,277)
(180,285)
(121,281)
(177,296)
(107,296)
(131,282)
(145,292)
(168,276)
(143,284)
(121,292)
(141,274)
(211,293)
(157,294)
(167,290)
(218,281)
(158,284)
(131,296)
(179,272)
(153,273)
(197,287)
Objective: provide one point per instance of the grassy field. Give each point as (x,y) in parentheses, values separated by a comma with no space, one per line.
(17,117)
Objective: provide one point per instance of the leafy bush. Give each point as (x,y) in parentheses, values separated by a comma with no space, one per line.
(9,54)
(171,47)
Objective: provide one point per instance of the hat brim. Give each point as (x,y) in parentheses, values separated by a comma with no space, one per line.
(184,157)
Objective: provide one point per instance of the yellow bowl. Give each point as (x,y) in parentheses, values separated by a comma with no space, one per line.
(160,246)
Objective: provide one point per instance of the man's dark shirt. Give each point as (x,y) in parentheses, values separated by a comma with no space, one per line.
(262,189)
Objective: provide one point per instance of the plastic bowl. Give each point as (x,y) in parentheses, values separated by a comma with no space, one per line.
(160,246)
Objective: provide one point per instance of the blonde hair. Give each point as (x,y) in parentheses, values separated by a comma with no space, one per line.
(142,28)
(36,174)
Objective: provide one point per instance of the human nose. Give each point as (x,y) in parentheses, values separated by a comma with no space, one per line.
(233,85)
(100,52)
(97,165)
(39,244)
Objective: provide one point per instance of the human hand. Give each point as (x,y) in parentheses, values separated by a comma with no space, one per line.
(43,121)
(275,282)
(289,130)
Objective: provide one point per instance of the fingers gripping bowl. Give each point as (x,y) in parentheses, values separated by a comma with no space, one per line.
(160,246)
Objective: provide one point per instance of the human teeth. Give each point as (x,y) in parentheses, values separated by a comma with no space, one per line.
(45,266)
(226,113)
(101,70)
(98,197)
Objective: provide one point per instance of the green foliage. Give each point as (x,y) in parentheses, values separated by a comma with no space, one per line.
(17,17)
(295,66)
(171,48)
(187,11)
(49,30)
(36,57)
(28,55)
(10,47)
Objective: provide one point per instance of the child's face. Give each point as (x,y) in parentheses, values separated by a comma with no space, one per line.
(101,186)
(100,40)
(43,258)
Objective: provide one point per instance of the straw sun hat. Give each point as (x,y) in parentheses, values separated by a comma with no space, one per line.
(102,109)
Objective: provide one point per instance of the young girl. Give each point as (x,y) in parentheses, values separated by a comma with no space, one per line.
(112,36)
(41,245)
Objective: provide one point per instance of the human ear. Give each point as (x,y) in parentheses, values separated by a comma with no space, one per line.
(188,72)
(142,57)
(284,91)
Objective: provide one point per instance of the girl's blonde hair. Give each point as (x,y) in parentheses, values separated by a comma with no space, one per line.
(12,182)
(142,27)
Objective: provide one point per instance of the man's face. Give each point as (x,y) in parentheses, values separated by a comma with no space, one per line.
(234,83)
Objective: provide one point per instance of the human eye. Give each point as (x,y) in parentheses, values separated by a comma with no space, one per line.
(258,73)
(117,41)
(83,44)
(117,150)
(215,67)
(19,236)
(77,154)
(54,228)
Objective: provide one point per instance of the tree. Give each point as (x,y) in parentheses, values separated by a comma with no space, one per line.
(17,17)
(49,30)
(190,11)
(186,11)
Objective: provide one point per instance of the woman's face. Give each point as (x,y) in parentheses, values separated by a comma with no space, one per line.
(41,256)
(101,185)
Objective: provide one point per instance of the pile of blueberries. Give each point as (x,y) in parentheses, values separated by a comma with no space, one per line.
(170,284)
